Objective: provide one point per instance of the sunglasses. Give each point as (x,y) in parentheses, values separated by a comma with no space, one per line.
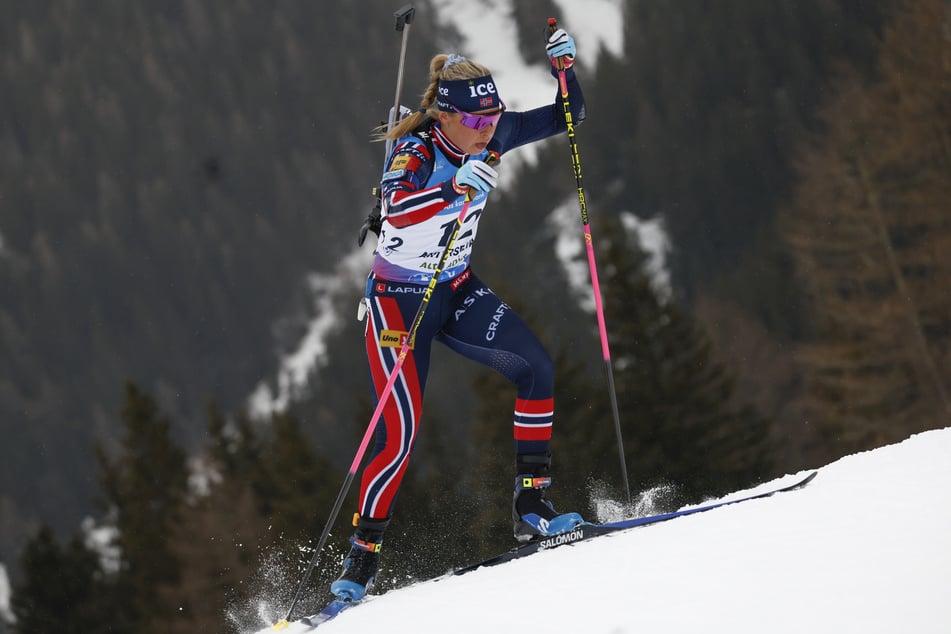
(480,121)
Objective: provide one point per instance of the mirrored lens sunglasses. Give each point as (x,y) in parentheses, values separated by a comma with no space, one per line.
(480,121)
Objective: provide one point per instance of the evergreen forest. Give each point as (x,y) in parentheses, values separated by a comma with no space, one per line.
(176,177)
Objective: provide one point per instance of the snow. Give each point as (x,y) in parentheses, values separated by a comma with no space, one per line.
(6,613)
(653,239)
(310,354)
(595,24)
(102,538)
(570,250)
(864,548)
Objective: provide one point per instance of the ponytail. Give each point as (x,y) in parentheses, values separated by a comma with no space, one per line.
(442,66)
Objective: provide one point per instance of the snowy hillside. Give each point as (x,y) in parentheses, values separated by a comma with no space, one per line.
(865,548)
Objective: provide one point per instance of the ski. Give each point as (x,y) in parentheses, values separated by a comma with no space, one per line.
(587,531)
(310,623)
(329,613)
(581,533)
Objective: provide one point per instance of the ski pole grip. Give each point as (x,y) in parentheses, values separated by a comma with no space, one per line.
(491,159)
(552,27)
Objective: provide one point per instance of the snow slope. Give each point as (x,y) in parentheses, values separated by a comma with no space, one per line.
(865,548)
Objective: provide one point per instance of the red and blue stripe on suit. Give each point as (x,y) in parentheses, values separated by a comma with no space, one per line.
(463,313)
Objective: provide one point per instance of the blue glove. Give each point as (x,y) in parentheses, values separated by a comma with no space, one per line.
(475,174)
(562,45)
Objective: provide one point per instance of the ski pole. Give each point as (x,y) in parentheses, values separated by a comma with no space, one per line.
(381,402)
(592,265)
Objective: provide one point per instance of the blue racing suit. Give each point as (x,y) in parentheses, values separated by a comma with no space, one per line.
(420,209)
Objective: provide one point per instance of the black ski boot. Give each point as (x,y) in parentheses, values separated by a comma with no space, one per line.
(363,561)
(534,515)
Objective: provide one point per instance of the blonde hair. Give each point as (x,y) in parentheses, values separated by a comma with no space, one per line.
(457,68)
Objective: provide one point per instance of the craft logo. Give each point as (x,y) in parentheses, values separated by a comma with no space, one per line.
(496,320)
(393,338)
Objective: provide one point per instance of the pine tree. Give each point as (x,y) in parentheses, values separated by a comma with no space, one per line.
(294,488)
(144,488)
(713,95)
(293,484)
(490,480)
(870,233)
(61,589)
(681,421)
(222,538)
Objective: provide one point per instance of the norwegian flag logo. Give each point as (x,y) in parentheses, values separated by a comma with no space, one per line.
(485,102)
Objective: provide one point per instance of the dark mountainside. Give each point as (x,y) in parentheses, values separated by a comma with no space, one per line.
(170,176)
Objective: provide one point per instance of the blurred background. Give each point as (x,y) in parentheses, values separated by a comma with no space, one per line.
(182,379)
